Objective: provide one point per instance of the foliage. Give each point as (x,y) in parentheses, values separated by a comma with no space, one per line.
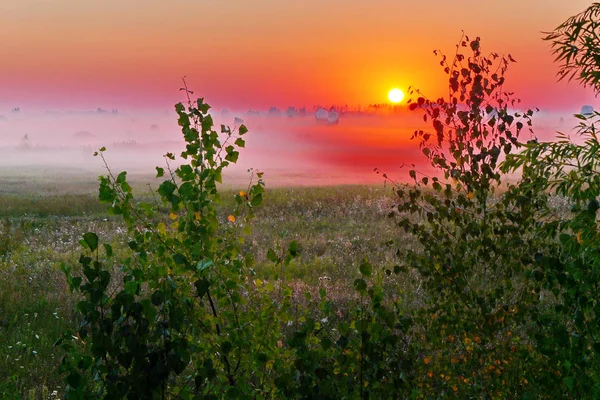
(576,47)
(190,318)
(478,242)
(569,333)
(323,220)
(9,391)
(185,317)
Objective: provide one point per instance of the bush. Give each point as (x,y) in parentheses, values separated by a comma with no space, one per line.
(568,333)
(187,317)
(478,241)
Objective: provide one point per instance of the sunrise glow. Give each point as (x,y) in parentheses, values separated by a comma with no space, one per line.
(396,95)
(296,73)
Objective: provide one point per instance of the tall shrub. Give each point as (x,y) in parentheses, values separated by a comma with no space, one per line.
(181,315)
(477,236)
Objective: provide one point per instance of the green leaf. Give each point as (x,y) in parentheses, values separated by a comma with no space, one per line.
(564,238)
(108,249)
(226,347)
(203,264)
(202,106)
(122,177)
(293,249)
(207,123)
(243,130)
(240,142)
(593,206)
(74,380)
(569,381)
(256,200)
(160,172)
(158,297)
(232,155)
(132,287)
(166,189)
(365,268)
(91,239)
(76,283)
(202,286)
(180,259)
(271,256)
(360,285)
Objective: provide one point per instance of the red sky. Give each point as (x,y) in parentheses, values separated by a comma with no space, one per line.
(58,54)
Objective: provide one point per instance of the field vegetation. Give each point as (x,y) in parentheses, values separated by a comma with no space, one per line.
(39,230)
(443,287)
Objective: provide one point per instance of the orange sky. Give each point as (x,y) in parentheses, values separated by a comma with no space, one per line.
(241,54)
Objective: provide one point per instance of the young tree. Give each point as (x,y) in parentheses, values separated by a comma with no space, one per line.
(183,317)
(477,242)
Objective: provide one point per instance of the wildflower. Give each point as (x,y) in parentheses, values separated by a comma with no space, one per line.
(579,237)
(470,195)
(231,219)
(426,360)
(243,194)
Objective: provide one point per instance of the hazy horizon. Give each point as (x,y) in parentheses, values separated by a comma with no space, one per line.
(291,151)
(64,60)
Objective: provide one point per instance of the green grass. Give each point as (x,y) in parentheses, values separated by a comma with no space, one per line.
(43,219)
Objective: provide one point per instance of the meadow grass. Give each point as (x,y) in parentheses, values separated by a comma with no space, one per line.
(43,219)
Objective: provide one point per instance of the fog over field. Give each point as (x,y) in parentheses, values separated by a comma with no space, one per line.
(290,150)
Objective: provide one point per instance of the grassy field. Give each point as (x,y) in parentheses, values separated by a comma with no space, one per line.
(44,215)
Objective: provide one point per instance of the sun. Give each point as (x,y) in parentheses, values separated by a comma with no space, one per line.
(396,95)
